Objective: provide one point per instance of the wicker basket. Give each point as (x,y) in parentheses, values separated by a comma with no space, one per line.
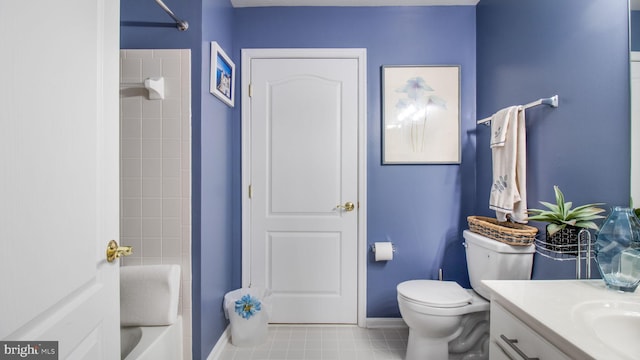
(506,232)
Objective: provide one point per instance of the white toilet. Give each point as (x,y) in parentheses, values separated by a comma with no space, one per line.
(439,312)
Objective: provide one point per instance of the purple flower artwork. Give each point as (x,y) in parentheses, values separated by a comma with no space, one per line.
(413,110)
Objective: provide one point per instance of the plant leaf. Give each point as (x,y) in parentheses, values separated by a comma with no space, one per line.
(552,207)
(554,228)
(567,209)
(545,218)
(590,206)
(569,222)
(559,199)
(587,225)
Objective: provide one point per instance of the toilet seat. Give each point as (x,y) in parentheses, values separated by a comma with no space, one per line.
(432,293)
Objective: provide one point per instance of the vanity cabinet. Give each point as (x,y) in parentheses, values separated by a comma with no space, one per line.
(511,338)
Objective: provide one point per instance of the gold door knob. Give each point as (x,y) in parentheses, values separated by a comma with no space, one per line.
(114,251)
(348,206)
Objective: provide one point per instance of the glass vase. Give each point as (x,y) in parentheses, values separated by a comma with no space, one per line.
(618,250)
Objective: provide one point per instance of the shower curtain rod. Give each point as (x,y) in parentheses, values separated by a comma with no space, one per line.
(552,101)
(180,24)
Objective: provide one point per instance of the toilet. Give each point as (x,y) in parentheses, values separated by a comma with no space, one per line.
(447,321)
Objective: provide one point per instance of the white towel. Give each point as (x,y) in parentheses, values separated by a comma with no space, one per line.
(508,149)
(149,295)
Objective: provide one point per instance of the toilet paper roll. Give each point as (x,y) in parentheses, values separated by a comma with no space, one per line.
(383,251)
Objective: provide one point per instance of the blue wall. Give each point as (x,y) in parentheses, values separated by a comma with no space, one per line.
(537,48)
(214,149)
(219,155)
(422,209)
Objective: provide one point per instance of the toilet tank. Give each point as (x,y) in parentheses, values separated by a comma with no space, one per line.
(489,259)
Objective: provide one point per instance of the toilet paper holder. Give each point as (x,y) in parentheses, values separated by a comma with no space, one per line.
(372,248)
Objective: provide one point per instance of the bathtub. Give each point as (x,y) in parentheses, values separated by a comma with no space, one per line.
(152,342)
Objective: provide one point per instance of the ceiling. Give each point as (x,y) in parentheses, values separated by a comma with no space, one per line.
(261,3)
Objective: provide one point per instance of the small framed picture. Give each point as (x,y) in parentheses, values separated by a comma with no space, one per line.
(421,114)
(223,75)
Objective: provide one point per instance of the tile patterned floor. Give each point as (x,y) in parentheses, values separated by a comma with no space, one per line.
(324,343)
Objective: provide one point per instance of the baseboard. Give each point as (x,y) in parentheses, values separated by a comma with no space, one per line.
(220,345)
(385,323)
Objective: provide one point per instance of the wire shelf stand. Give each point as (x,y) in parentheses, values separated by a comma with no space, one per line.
(582,250)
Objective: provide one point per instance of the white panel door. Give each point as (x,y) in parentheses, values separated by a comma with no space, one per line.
(59,177)
(304,171)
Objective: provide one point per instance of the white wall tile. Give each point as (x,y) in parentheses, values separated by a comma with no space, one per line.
(131,187)
(131,168)
(171,228)
(131,109)
(152,208)
(186,186)
(130,228)
(152,149)
(131,208)
(171,149)
(186,212)
(186,131)
(138,54)
(171,187)
(151,187)
(171,208)
(151,247)
(152,228)
(152,128)
(172,89)
(152,167)
(171,67)
(186,155)
(130,148)
(151,260)
(131,260)
(151,68)
(130,70)
(171,248)
(156,166)
(131,127)
(171,108)
(166,54)
(186,291)
(186,245)
(171,168)
(171,128)
(152,109)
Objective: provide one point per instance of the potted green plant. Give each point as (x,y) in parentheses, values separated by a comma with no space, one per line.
(565,222)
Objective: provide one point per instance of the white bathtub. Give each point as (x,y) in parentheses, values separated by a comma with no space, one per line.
(152,342)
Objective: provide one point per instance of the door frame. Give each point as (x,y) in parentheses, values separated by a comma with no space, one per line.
(358,54)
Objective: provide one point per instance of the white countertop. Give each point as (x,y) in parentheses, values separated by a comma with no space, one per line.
(551,308)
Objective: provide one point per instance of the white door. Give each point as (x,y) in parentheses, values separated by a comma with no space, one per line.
(304,181)
(59,177)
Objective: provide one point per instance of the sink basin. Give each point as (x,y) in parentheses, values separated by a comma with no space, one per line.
(615,323)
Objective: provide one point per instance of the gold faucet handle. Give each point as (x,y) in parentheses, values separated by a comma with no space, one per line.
(114,251)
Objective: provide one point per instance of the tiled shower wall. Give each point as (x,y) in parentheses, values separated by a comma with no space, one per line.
(155,165)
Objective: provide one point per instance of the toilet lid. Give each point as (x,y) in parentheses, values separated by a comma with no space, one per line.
(443,294)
